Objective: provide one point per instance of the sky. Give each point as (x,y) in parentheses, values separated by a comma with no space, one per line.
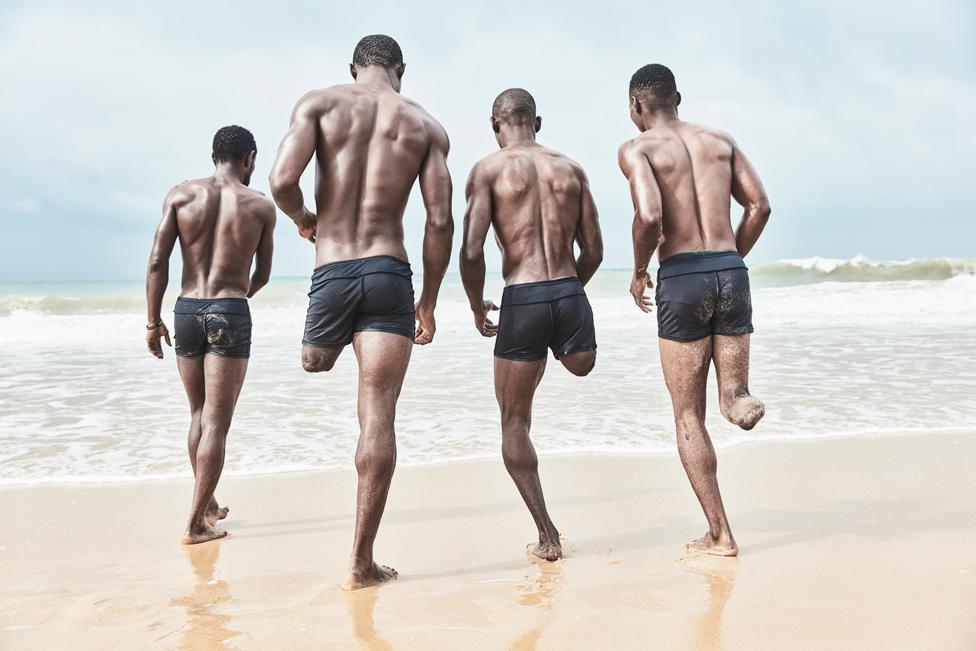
(856,115)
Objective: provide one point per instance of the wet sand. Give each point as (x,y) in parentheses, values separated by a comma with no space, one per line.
(846,544)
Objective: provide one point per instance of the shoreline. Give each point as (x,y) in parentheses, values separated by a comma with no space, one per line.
(846,543)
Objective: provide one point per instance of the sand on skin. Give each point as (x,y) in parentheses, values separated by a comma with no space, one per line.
(846,543)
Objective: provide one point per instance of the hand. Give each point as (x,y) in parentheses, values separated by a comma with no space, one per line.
(152,340)
(638,284)
(307,225)
(481,321)
(425,324)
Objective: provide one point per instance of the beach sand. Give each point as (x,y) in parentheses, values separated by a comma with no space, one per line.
(856,543)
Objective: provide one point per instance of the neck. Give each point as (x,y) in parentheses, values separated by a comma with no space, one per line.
(229,172)
(376,76)
(516,134)
(659,117)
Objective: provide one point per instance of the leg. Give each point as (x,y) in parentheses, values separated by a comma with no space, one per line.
(515,385)
(685,366)
(383,359)
(191,372)
(580,363)
(731,355)
(316,359)
(223,378)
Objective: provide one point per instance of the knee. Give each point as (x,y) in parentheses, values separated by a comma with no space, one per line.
(688,423)
(314,361)
(376,460)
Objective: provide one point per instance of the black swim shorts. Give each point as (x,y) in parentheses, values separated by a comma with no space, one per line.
(213,326)
(350,296)
(701,294)
(549,314)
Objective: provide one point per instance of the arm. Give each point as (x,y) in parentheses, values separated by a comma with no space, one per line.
(749,193)
(477,219)
(294,154)
(157,273)
(435,186)
(646,230)
(264,253)
(588,234)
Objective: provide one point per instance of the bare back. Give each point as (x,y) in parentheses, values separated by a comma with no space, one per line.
(220,226)
(370,145)
(538,200)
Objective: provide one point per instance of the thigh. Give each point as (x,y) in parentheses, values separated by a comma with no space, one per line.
(524,332)
(387,305)
(515,385)
(191,372)
(224,377)
(731,354)
(685,305)
(685,366)
(572,326)
(332,309)
(383,358)
(733,312)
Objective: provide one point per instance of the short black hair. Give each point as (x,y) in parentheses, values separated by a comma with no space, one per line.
(377,50)
(233,144)
(656,83)
(515,104)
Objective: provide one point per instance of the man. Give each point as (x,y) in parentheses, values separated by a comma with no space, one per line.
(370,143)
(682,176)
(222,225)
(539,203)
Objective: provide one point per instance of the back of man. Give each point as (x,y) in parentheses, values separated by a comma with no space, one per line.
(539,203)
(682,179)
(222,226)
(370,144)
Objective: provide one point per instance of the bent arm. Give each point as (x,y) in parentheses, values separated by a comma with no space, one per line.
(749,193)
(477,219)
(157,273)
(435,186)
(646,196)
(264,253)
(588,235)
(294,154)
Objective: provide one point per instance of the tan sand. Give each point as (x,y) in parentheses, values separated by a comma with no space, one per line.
(846,544)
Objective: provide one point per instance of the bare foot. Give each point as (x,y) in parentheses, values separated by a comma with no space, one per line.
(372,575)
(213,515)
(746,411)
(547,551)
(202,534)
(708,545)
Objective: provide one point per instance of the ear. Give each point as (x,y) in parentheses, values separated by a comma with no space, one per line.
(352,70)
(399,69)
(249,159)
(678,103)
(636,105)
(494,124)
(538,123)
(213,157)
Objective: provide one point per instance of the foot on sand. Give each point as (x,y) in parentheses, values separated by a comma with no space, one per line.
(196,535)
(371,575)
(213,515)
(746,411)
(709,545)
(546,550)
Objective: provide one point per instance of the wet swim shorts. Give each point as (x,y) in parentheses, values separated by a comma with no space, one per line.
(214,326)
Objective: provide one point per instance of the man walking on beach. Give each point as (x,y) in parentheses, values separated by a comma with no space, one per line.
(539,203)
(222,225)
(682,176)
(371,143)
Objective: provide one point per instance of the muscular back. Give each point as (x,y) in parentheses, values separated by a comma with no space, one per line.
(220,225)
(696,171)
(370,145)
(539,204)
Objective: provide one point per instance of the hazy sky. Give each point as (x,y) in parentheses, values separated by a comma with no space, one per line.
(854,113)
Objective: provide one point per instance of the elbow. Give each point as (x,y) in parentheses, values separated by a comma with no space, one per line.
(157,265)
(760,210)
(471,256)
(281,183)
(593,255)
(649,219)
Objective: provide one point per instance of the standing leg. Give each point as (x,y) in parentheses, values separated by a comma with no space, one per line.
(191,372)
(685,366)
(515,385)
(383,359)
(223,378)
(731,355)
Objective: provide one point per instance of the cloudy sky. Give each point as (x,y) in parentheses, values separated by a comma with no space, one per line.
(855,114)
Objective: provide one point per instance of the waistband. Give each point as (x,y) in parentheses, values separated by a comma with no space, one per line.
(542,291)
(211,306)
(681,264)
(376,264)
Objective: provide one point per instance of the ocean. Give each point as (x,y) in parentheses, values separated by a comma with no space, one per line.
(842,348)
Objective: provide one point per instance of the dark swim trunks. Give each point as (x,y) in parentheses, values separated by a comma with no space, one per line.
(549,314)
(350,296)
(213,326)
(701,294)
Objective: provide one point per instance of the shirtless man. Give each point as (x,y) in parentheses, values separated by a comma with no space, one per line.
(539,203)
(370,144)
(682,176)
(222,225)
